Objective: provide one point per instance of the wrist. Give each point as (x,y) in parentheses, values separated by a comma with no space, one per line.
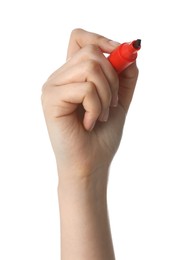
(72,184)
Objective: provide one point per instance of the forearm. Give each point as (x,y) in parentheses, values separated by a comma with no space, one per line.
(85,231)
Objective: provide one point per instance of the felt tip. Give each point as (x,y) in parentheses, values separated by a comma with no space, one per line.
(137,44)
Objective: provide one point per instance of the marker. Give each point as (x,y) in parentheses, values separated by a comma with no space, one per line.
(124,55)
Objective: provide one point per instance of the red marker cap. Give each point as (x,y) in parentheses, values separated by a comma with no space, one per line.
(124,55)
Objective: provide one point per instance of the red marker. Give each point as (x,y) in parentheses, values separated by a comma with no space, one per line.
(124,55)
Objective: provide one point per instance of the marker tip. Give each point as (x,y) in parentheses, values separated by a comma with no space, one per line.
(137,44)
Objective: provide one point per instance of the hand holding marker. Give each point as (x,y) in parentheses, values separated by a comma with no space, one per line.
(124,55)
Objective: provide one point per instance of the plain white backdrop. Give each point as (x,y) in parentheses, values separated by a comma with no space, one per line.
(146,187)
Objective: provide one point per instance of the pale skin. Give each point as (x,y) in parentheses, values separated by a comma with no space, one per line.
(85,103)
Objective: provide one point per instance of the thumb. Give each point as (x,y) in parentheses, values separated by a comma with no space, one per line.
(128,79)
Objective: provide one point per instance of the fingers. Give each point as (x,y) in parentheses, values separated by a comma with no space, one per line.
(80,38)
(90,71)
(90,65)
(65,99)
(88,78)
(93,54)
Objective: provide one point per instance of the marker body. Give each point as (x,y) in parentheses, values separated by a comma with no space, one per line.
(124,55)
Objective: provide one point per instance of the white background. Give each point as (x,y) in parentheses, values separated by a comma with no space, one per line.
(146,187)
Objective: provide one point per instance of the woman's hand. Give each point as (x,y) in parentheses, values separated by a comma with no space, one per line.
(85,104)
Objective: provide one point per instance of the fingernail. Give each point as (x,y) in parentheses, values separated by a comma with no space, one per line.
(114,102)
(114,44)
(92,126)
(105,116)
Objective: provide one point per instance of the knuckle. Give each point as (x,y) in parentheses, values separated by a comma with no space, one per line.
(75,32)
(45,94)
(45,91)
(44,87)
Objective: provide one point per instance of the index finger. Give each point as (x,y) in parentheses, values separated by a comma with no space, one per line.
(79,38)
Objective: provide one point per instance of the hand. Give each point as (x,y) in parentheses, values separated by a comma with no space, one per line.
(85,103)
